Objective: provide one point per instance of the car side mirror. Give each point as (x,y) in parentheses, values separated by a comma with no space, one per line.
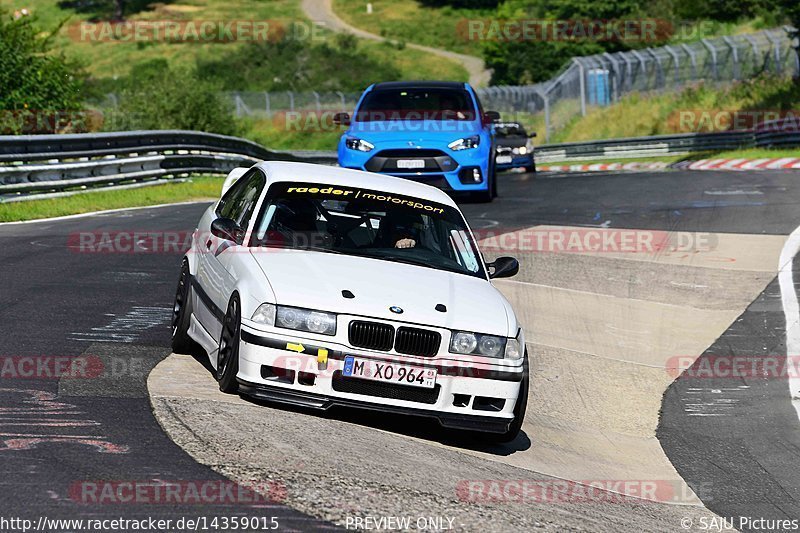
(225,228)
(492,116)
(342,119)
(532,134)
(504,267)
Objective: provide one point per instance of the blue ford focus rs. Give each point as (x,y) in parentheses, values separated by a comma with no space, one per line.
(433,132)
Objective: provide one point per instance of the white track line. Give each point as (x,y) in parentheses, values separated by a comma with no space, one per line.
(106,211)
(791,310)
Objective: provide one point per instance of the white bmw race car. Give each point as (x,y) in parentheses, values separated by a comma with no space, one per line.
(320,286)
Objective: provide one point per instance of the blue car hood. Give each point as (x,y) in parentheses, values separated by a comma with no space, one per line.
(413,130)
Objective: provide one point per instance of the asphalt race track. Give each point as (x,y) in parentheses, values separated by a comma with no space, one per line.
(608,334)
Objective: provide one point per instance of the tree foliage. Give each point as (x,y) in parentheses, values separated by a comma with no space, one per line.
(35,81)
(32,76)
(156,96)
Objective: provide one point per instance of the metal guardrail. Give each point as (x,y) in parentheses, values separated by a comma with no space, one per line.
(767,136)
(32,165)
(36,165)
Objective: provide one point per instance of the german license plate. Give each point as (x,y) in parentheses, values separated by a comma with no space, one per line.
(414,376)
(410,163)
(503,159)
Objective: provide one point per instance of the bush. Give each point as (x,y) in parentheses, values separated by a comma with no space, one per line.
(295,65)
(156,96)
(39,89)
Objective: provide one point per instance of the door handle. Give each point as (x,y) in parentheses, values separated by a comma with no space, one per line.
(208,244)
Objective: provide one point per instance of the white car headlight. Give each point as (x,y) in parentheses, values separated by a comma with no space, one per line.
(465,143)
(522,150)
(465,342)
(358,144)
(306,320)
(265,314)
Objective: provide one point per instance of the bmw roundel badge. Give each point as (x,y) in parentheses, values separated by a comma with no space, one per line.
(395,309)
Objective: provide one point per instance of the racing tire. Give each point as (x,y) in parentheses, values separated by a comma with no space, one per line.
(182,313)
(228,352)
(519,410)
(531,169)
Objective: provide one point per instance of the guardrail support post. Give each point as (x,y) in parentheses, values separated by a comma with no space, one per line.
(266,105)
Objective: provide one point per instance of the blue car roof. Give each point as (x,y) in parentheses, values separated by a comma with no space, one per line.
(420,85)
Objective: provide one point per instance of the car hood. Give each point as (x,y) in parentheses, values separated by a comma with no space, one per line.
(414,131)
(316,280)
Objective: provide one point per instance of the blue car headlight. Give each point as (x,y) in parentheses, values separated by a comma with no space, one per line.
(465,144)
(361,145)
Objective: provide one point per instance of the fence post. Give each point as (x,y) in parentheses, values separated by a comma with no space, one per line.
(642,64)
(617,74)
(754,45)
(660,77)
(676,62)
(267,107)
(734,55)
(777,51)
(713,52)
(291,100)
(546,100)
(316,100)
(692,58)
(794,44)
(341,97)
(628,71)
(582,85)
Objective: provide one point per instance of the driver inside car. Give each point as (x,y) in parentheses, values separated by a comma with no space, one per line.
(400,230)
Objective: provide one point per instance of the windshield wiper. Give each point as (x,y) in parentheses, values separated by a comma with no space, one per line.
(284,246)
(403,259)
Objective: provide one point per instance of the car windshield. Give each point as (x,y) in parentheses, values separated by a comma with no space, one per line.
(510,130)
(366,223)
(416,104)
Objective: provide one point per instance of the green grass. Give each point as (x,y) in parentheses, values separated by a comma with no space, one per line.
(112,60)
(686,111)
(198,188)
(410,21)
(306,133)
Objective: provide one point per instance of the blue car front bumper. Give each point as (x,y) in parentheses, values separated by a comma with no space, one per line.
(525,160)
(431,163)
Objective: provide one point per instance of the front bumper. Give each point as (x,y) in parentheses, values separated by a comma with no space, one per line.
(443,168)
(466,396)
(517,160)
